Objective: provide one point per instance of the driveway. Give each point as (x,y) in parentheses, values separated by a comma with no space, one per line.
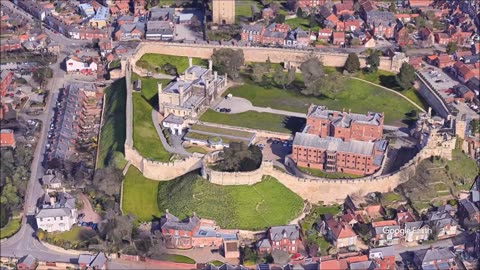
(203,255)
(239,105)
(89,214)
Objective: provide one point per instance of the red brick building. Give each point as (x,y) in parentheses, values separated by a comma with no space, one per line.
(338,38)
(442,38)
(139,7)
(7,139)
(309,3)
(340,142)
(343,125)
(286,238)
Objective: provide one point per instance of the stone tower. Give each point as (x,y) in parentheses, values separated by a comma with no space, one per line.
(223,11)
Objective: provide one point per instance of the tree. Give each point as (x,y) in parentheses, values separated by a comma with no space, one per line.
(406,76)
(392,8)
(258,71)
(373,61)
(312,21)
(299,13)
(451,47)
(279,77)
(280,18)
(291,75)
(475,126)
(228,61)
(312,70)
(5,214)
(420,22)
(353,63)
(328,86)
(239,157)
(195,24)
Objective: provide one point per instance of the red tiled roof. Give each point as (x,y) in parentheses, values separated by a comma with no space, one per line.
(7,138)
(340,229)
(384,223)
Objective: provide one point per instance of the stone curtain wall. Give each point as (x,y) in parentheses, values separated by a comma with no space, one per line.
(252,54)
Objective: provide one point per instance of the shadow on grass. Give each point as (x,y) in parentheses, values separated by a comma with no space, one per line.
(294,124)
(389,81)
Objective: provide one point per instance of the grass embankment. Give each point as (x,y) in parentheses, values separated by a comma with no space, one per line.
(358,96)
(243,9)
(177,258)
(256,120)
(196,149)
(215,138)
(332,175)
(150,61)
(302,23)
(145,137)
(11,228)
(244,207)
(112,134)
(437,181)
(310,234)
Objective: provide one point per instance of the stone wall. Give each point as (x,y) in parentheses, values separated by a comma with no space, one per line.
(432,98)
(237,178)
(253,54)
(156,170)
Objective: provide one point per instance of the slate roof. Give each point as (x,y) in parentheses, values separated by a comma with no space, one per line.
(386,251)
(431,255)
(344,119)
(334,144)
(475,190)
(469,206)
(256,28)
(53,212)
(170,221)
(171,118)
(278,233)
(365,265)
(28,260)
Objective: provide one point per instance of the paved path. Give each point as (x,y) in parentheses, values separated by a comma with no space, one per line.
(177,148)
(89,214)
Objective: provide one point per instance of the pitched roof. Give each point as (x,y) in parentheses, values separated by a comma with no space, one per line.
(431,255)
(28,260)
(334,144)
(278,233)
(340,229)
(7,137)
(384,223)
(172,222)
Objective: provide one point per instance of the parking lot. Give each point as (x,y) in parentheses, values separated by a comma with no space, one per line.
(275,149)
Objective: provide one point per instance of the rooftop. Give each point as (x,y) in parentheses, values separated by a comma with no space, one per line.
(334,144)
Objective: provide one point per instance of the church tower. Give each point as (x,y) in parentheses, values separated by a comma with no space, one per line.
(223,11)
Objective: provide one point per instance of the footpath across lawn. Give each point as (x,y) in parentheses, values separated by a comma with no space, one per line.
(256,120)
(358,96)
(112,134)
(246,207)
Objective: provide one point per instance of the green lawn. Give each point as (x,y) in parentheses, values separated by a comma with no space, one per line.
(358,96)
(71,238)
(196,149)
(222,131)
(150,61)
(253,207)
(199,136)
(139,196)
(112,134)
(243,8)
(177,258)
(150,87)
(256,120)
(320,173)
(11,228)
(216,263)
(390,197)
(302,23)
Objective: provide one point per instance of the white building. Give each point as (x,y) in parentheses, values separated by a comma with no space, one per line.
(176,124)
(57,215)
(75,64)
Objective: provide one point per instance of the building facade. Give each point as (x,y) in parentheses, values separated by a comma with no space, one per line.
(286,238)
(223,11)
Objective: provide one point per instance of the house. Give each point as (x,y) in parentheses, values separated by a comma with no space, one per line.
(465,72)
(52,179)
(434,258)
(416,231)
(93,262)
(325,34)
(174,123)
(385,233)
(7,45)
(125,19)
(470,59)
(7,139)
(459,54)
(179,233)
(185,18)
(159,30)
(139,7)
(267,13)
(57,213)
(416,62)
(6,79)
(341,9)
(86,10)
(76,64)
(286,238)
(341,234)
(463,93)
(275,33)
(442,224)
(469,214)
(420,3)
(34,8)
(309,3)
(101,17)
(381,252)
(403,217)
(374,212)
(442,38)
(426,36)
(443,60)
(231,249)
(381,23)
(252,33)
(27,262)
(338,38)
(129,31)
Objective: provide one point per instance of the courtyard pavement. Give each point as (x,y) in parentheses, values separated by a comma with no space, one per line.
(239,105)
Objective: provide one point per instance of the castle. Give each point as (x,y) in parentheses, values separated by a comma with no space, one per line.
(196,88)
(223,11)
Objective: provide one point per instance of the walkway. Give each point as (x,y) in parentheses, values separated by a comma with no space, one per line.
(89,214)
(177,148)
(391,90)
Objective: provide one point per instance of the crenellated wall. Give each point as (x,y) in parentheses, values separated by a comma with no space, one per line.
(254,54)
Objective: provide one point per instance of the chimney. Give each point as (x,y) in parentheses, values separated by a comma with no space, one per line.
(215,75)
(210,64)
(190,63)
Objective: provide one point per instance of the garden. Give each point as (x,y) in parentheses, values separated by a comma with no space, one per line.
(254,207)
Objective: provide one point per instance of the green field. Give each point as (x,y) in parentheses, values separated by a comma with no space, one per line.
(176,258)
(150,61)
(204,137)
(358,96)
(253,207)
(150,87)
(139,196)
(145,137)
(68,239)
(256,120)
(11,228)
(222,131)
(196,149)
(112,134)
(302,23)
(244,207)
(335,175)
(243,9)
